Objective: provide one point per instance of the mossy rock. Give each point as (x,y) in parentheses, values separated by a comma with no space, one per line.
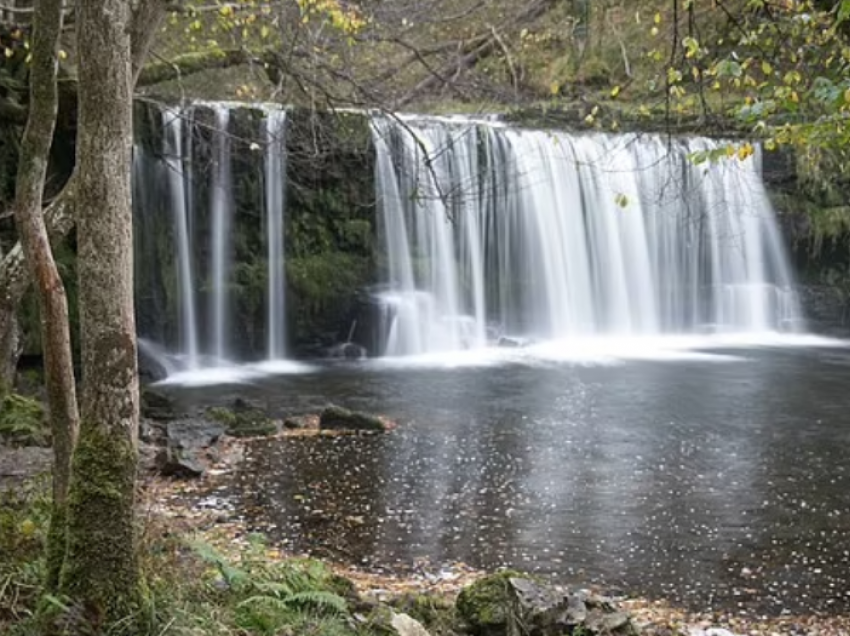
(485,605)
(244,422)
(23,421)
(337,418)
(434,611)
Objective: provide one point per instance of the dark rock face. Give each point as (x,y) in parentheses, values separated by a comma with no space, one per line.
(509,603)
(826,308)
(336,418)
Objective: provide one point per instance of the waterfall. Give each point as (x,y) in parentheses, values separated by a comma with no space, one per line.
(274,131)
(210,273)
(172,121)
(490,230)
(221,212)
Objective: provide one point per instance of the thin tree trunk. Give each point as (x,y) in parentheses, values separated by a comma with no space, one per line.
(53,305)
(101,570)
(10,345)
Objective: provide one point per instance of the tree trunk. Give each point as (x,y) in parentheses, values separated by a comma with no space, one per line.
(101,572)
(53,305)
(10,344)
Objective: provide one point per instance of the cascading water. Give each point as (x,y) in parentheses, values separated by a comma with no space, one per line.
(172,121)
(555,235)
(201,258)
(274,129)
(221,212)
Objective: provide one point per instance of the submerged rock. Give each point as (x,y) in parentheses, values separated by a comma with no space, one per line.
(336,418)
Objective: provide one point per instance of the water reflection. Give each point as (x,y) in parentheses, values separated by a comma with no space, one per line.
(716,485)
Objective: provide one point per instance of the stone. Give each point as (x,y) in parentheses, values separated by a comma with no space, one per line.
(405,625)
(193,433)
(485,604)
(337,418)
(178,462)
(501,604)
(244,420)
(601,622)
(157,405)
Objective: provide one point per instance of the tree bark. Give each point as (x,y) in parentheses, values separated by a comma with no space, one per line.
(101,572)
(52,302)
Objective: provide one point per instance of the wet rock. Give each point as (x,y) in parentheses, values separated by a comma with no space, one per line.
(405,625)
(300,422)
(156,405)
(337,418)
(243,420)
(347,351)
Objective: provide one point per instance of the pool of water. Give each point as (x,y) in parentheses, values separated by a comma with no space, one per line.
(716,477)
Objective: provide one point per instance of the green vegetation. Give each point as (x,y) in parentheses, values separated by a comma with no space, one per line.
(22,421)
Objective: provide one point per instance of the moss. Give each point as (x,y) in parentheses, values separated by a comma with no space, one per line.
(23,421)
(485,604)
(338,418)
(101,575)
(56,543)
(243,423)
(436,612)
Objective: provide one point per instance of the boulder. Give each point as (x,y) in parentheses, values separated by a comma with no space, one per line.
(193,433)
(405,625)
(503,603)
(243,420)
(189,447)
(336,418)
(485,604)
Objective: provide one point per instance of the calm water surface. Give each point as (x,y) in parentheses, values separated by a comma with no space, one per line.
(717,483)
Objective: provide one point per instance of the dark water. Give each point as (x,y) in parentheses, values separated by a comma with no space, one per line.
(714,484)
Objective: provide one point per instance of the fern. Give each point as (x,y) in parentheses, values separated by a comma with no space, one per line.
(326,602)
(271,595)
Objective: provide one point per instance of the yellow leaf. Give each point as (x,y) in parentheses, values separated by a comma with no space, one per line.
(555,88)
(766,68)
(745,151)
(615,91)
(62,55)
(27,528)
(657,18)
(9,52)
